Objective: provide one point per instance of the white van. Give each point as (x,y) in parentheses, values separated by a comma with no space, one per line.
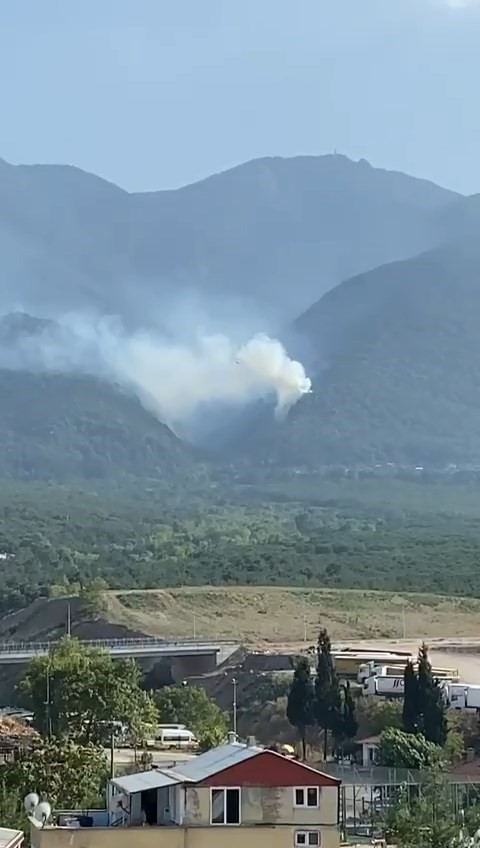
(175,736)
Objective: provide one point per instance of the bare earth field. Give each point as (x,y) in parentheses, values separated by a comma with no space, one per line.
(276,618)
(284,620)
(257,615)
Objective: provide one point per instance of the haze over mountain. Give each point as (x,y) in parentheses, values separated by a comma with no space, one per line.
(398,369)
(255,244)
(64,425)
(393,352)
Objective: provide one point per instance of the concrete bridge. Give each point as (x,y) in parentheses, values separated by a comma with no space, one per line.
(193,652)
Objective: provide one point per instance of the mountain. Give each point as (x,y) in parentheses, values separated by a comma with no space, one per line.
(271,235)
(397,369)
(62,426)
(69,426)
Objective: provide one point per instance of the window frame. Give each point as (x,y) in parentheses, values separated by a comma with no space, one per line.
(305,805)
(226,789)
(307,832)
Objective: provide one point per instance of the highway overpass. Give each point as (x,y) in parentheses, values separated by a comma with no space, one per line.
(216,650)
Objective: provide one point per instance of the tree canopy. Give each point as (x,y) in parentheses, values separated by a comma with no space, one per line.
(328,702)
(78,692)
(406,750)
(68,775)
(300,701)
(191,705)
(424,708)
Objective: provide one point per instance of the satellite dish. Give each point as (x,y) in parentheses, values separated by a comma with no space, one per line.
(30,802)
(42,812)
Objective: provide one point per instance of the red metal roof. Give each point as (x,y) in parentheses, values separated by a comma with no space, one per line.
(267,768)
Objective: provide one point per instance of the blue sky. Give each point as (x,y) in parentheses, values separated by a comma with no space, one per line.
(159,93)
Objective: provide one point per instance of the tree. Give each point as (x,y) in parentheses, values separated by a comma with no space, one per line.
(68,775)
(349,717)
(410,713)
(424,709)
(425,818)
(327,704)
(77,692)
(431,703)
(406,750)
(300,700)
(191,705)
(374,715)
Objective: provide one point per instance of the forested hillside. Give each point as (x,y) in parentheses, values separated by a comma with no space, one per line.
(65,427)
(378,535)
(397,369)
(272,234)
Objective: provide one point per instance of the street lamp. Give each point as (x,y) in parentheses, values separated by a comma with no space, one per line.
(234,705)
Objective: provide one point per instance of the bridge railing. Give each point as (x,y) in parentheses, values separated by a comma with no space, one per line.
(44,647)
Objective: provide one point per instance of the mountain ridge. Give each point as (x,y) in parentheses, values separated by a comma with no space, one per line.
(273,233)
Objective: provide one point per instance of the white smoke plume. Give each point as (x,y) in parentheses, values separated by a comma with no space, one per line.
(172,379)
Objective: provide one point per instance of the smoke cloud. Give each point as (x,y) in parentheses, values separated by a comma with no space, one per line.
(173,380)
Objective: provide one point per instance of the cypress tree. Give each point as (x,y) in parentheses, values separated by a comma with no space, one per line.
(431,704)
(410,713)
(300,700)
(328,702)
(349,718)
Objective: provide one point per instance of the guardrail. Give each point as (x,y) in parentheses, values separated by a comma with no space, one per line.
(167,644)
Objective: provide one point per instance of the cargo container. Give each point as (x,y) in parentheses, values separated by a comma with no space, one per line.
(370,669)
(385,685)
(349,661)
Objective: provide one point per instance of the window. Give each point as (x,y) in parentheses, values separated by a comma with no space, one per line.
(225,806)
(306,796)
(307,837)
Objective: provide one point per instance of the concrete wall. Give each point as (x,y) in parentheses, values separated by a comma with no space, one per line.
(173,837)
(185,666)
(266,805)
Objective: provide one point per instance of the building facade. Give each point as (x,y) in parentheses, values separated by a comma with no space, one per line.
(235,796)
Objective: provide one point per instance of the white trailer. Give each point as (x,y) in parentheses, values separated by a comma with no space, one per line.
(371,669)
(472,697)
(393,686)
(385,685)
(463,696)
(455,695)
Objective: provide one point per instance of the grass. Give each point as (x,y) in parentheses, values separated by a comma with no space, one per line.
(261,615)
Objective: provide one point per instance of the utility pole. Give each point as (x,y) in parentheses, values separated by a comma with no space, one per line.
(304,606)
(112,754)
(47,705)
(234,705)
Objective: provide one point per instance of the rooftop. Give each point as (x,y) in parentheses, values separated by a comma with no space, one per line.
(193,771)
(10,838)
(369,740)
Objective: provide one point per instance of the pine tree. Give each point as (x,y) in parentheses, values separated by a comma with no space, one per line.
(300,700)
(431,704)
(328,702)
(410,713)
(346,725)
(350,723)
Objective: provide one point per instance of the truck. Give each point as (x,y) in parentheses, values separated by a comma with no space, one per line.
(392,686)
(370,669)
(349,660)
(386,685)
(463,696)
